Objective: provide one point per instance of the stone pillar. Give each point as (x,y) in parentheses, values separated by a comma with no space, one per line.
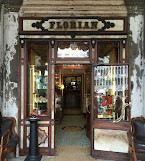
(136,54)
(1,52)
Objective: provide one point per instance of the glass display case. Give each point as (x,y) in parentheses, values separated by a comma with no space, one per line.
(110,91)
(37,79)
(38,89)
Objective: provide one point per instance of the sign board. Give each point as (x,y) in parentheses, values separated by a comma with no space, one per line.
(67,26)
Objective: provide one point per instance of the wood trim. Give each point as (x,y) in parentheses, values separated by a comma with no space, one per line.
(132,153)
(49,80)
(91,110)
(84,37)
(106,124)
(74,67)
(25,78)
(110,155)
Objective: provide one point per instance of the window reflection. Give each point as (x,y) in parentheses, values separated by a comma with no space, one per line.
(73,50)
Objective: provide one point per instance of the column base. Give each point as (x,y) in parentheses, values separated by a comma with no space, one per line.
(33,158)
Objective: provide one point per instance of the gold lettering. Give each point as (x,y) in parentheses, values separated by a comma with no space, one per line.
(52,23)
(65,25)
(79,24)
(73,25)
(86,26)
(94,25)
(59,25)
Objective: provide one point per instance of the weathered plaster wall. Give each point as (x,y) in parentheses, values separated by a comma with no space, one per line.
(1,56)
(10,65)
(136,60)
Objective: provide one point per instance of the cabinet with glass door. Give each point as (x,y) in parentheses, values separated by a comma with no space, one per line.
(38,90)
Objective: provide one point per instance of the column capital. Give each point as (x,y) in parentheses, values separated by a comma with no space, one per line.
(135,7)
(134,2)
(12,5)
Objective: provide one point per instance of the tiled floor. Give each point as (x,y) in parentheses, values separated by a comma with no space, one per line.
(71,138)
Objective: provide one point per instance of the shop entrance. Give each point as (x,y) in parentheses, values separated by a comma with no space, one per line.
(72,95)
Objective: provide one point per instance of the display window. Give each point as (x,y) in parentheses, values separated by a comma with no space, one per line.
(110,78)
(111,91)
(37,81)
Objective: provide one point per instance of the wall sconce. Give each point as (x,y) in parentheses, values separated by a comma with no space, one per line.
(52,43)
(93,42)
(124,43)
(22,43)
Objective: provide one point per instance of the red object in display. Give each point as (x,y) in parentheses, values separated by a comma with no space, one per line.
(33,113)
(107,100)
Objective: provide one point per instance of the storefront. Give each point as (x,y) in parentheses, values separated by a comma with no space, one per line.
(82,57)
(85,55)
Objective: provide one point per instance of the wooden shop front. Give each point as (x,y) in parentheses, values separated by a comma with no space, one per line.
(90,52)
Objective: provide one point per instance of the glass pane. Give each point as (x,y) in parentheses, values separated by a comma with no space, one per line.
(88,91)
(73,49)
(111,91)
(37,68)
(108,52)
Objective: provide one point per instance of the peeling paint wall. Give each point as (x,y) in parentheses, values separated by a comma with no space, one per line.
(136,60)
(10,65)
(1,55)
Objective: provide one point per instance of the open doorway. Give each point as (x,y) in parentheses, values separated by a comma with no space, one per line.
(72,104)
(72,95)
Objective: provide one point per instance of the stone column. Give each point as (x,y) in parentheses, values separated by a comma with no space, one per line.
(136,54)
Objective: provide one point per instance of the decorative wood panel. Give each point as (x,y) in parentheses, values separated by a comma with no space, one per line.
(43,137)
(105,138)
(49,8)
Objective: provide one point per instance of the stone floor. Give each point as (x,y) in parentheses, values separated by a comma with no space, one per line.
(65,153)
